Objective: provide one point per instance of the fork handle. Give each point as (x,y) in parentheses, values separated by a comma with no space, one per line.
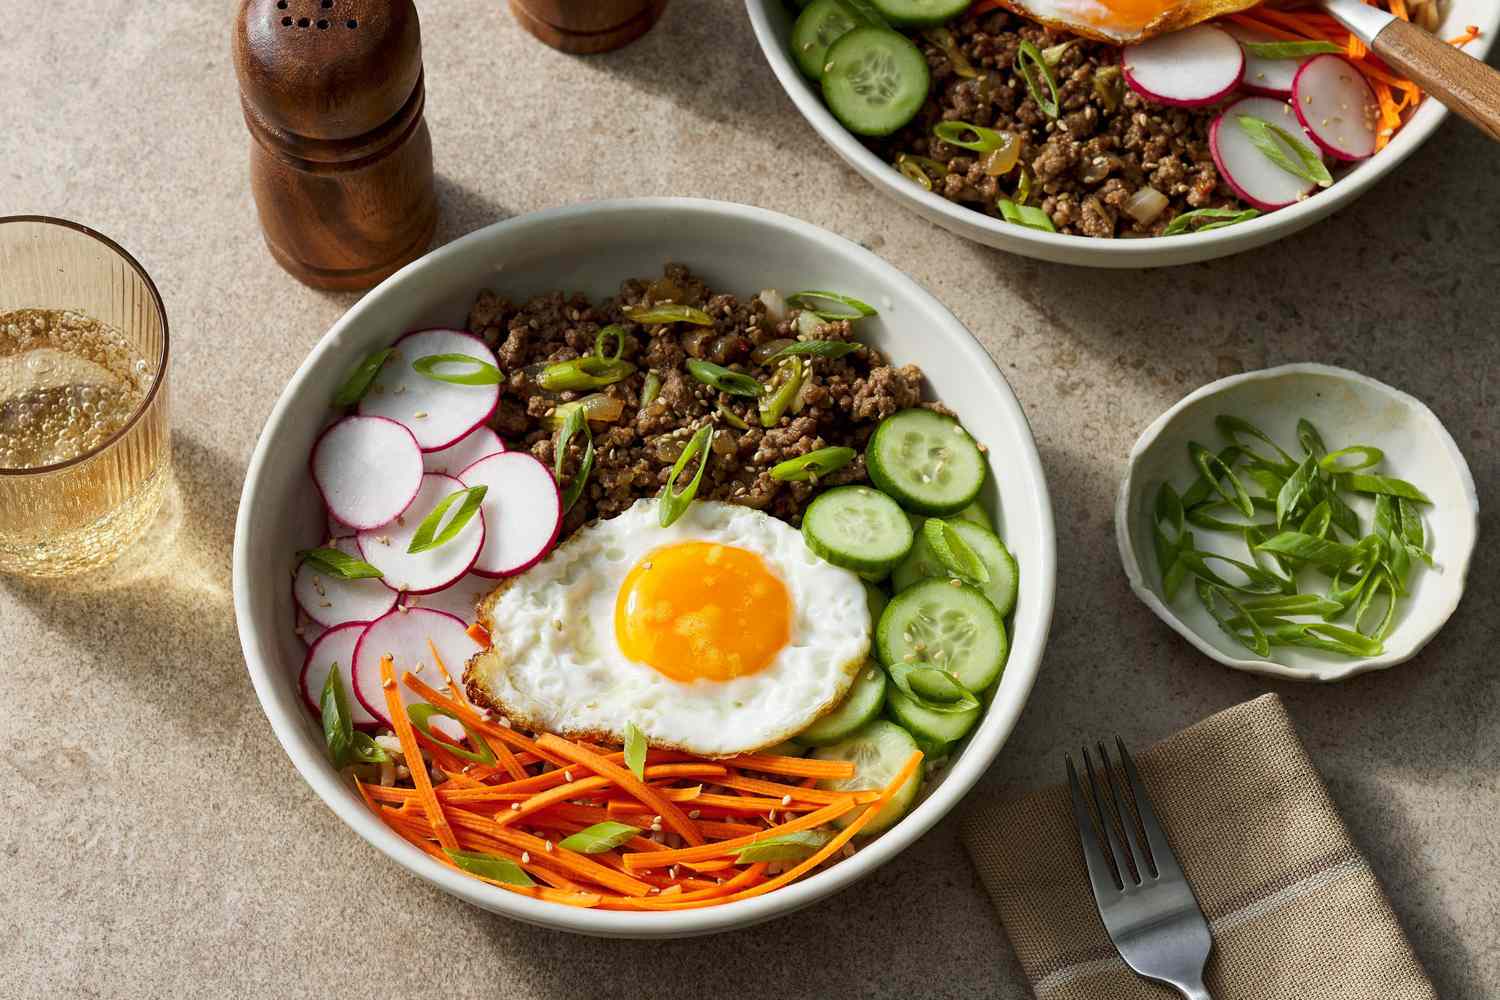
(1466,85)
(1193,991)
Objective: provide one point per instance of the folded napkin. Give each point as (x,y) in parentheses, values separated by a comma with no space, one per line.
(1295,910)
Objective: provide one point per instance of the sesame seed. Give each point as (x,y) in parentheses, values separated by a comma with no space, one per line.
(504,722)
(956,582)
(549,847)
(388,685)
(567,775)
(420,415)
(300,630)
(515,807)
(525,857)
(695,813)
(786,800)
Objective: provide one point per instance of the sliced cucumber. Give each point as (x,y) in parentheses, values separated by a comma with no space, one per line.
(934,729)
(822,23)
(921,564)
(877,600)
(857,528)
(976,515)
(875,80)
(877,749)
(859,706)
(948,624)
(921,13)
(926,461)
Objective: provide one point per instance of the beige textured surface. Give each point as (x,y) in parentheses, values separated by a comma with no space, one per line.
(154,840)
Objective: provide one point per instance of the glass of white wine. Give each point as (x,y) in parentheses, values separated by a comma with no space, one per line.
(84,447)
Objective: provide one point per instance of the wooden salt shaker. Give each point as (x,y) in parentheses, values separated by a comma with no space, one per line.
(341,160)
(587,26)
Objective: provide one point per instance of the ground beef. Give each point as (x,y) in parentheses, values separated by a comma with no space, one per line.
(1106,144)
(840,403)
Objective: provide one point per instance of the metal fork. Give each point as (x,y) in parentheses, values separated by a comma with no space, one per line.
(1144,900)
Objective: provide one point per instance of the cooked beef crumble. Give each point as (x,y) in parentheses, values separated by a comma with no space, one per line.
(840,402)
(1105,145)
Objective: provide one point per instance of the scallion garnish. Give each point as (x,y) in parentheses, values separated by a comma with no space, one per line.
(359,381)
(853,308)
(1214,469)
(650,389)
(832,349)
(955,554)
(944,39)
(346,745)
(421,715)
(733,419)
(614,331)
(667,312)
(489,866)
(1025,215)
(673,502)
(635,742)
(1035,71)
(471,370)
(578,374)
(721,378)
(958,134)
(932,688)
(1289,50)
(1210,218)
(339,564)
(785,387)
(814,465)
(598,838)
(574,423)
(1278,145)
(429,537)
(783,847)
(1358,482)
(922,169)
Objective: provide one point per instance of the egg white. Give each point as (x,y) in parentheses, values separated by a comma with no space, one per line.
(554,664)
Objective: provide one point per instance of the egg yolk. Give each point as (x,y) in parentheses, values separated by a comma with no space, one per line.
(702,611)
(1133,12)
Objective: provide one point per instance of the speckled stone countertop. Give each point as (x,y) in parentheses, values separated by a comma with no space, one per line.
(155,840)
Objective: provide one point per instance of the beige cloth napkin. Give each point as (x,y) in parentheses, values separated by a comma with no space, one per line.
(1295,910)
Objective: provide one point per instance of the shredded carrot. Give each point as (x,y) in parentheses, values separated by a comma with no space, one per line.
(800,767)
(465,713)
(500,752)
(797,792)
(414,763)
(1470,33)
(704,852)
(669,813)
(479,634)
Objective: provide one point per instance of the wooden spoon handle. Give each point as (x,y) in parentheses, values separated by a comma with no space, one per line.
(1466,85)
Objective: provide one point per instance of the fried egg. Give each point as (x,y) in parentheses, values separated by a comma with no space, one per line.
(1124,21)
(718,635)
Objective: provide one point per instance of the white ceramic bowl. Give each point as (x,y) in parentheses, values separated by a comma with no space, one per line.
(591,248)
(1347,408)
(772,21)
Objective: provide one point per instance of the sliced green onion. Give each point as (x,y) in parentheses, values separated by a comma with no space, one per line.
(721,378)
(1361,483)
(816,349)
(667,312)
(786,384)
(1269,482)
(1365,458)
(922,169)
(1032,66)
(1310,549)
(1273,141)
(672,503)
(1215,218)
(1290,604)
(650,389)
(1388,530)
(1233,624)
(1257,580)
(1204,515)
(596,406)
(733,419)
(359,381)
(599,838)
(1317,520)
(1232,427)
(984,139)
(1331,638)
(913,173)
(949,697)
(1343,515)
(614,331)
(1203,487)
(489,866)
(584,373)
(1025,215)
(635,743)
(1310,439)
(814,465)
(1052,54)
(853,308)
(1168,514)
(346,745)
(1023,191)
(943,39)
(955,554)
(575,422)
(428,536)
(793,846)
(1413,535)
(1379,582)
(421,714)
(1245,216)
(1289,50)
(339,564)
(471,370)
(1295,489)
(1367,558)
(1216,470)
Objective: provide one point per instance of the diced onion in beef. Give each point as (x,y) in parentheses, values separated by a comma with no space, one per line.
(775,304)
(1145,205)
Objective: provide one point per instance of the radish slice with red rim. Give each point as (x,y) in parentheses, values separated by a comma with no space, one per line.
(1255,177)
(385,547)
(439,414)
(1266,77)
(308,630)
(335,647)
(1335,104)
(455,458)
(331,600)
(403,635)
(459,599)
(368,470)
(1189,69)
(525,507)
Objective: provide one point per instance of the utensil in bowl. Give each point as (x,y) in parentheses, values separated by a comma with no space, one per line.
(1144,899)
(591,248)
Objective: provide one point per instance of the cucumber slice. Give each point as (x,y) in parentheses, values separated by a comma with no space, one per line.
(921,564)
(976,515)
(875,80)
(926,461)
(876,599)
(859,706)
(935,729)
(948,624)
(857,528)
(878,749)
(921,13)
(822,23)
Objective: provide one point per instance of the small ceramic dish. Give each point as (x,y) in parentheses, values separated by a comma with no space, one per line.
(1347,408)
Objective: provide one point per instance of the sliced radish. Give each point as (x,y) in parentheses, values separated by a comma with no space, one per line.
(336,647)
(330,600)
(458,599)
(438,413)
(1256,178)
(525,507)
(433,569)
(455,458)
(1337,107)
(308,630)
(403,635)
(1189,69)
(368,470)
(1267,77)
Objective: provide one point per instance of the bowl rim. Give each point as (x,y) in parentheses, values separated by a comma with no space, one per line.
(1333,672)
(984,743)
(1120,253)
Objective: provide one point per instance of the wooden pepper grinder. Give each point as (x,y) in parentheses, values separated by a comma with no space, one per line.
(587,26)
(341,160)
